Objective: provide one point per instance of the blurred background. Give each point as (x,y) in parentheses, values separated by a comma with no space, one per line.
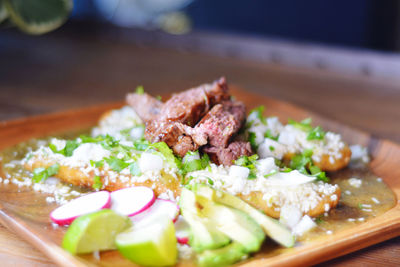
(359,23)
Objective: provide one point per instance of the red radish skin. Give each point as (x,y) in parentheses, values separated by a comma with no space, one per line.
(161,207)
(132,200)
(67,213)
(182,230)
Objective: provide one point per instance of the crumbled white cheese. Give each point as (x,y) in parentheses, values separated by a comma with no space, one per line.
(290,216)
(375,200)
(305,225)
(271,148)
(355,182)
(239,172)
(359,154)
(118,120)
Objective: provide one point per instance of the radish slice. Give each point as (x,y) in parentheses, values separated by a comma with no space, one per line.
(182,231)
(132,200)
(161,207)
(89,203)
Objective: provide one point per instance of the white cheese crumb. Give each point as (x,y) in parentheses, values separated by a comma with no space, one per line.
(355,182)
(333,197)
(375,200)
(351,219)
(379,179)
(329,232)
(347,192)
(326,207)
(305,225)
(361,219)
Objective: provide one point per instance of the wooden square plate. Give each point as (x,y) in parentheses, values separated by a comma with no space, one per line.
(27,213)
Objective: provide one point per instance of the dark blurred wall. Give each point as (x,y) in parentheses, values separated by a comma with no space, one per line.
(373,24)
(358,23)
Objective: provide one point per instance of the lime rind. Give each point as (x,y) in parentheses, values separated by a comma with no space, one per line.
(94,232)
(151,245)
(38,16)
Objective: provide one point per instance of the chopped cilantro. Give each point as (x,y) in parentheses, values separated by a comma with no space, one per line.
(41,174)
(97,184)
(360,206)
(273,172)
(316,134)
(139,90)
(97,164)
(186,180)
(134,169)
(168,154)
(303,163)
(210,181)
(158,97)
(304,125)
(192,165)
(141,145)
(271,148)
(116,164)
(248,162)
(68,150)
(252,139)
(258,111)
(205,161)
(269,135)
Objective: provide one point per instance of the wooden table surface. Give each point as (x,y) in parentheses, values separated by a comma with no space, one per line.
(65,70)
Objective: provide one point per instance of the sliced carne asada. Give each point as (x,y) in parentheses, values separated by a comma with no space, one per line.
(146,106)
(186,108)
(228,155)
(222,122)
(194,118)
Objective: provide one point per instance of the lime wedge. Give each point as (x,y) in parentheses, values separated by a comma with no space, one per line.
(38,16)
(150,245)
(94,232)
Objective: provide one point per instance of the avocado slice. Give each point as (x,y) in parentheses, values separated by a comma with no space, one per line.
(225,256)
(234,223)
(275,230)
(203,234)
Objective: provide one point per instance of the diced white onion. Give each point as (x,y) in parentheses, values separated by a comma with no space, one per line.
(150,162)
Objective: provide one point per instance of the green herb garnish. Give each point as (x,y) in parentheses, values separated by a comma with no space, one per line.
(97,164)
(316,134)
(134,169)
(270,174)
(97,184)
(68,150)
(252,139)
(248,162)
(41,174)
(269,135)
(259,111)
(168,154)
(116,164)
(139,90)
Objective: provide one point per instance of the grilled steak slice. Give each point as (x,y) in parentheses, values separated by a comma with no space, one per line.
(222,122)
(146,106)
(228,155)
(187,108)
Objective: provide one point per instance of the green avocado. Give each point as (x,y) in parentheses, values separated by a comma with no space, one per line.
(275,230)
(234,223)
(224,256)
(203,234)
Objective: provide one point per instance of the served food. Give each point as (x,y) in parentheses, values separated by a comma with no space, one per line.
(193,174)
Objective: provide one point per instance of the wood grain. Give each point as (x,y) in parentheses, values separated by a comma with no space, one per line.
(26,211)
